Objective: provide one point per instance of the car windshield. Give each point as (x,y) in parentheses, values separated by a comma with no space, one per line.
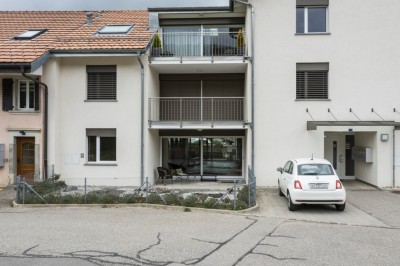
(314,169)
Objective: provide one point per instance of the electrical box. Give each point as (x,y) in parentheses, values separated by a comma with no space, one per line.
(363,154)
(2,154)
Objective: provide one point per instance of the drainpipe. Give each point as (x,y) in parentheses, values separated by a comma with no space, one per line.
(141,120)
(394,155)
(45,119)
(252,124)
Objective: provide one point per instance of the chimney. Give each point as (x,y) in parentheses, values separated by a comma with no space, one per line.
(89,18)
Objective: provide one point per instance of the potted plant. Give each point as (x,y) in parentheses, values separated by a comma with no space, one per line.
(240,43)
(156,46)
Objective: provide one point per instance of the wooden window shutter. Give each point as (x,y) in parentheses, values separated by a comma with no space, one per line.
(37,97)
(8,94)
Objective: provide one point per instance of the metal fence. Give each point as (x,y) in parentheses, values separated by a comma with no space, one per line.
(88,191)
(252,188)
(196,109)
(200,44)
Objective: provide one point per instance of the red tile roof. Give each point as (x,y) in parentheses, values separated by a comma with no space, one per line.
(68,30)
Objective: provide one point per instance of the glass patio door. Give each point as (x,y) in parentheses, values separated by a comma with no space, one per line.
(217,156)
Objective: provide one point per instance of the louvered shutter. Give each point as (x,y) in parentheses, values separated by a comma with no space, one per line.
(37,97)
(312,85)
(102,83)
(8,94)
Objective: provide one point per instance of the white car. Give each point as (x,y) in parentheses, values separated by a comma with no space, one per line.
(311,181)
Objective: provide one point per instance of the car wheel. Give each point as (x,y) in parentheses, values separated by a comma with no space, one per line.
(280,190)
(291,206)
(340,207)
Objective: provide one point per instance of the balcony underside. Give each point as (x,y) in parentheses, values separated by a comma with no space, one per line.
(191,66)
(197,125)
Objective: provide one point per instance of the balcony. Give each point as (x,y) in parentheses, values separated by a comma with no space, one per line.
(207,44)
(196,112)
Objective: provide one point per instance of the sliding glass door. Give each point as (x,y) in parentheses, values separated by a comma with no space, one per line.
(206,156)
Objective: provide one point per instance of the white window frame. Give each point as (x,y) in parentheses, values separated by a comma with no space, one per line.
(306,20)
(98,151)
(18,95)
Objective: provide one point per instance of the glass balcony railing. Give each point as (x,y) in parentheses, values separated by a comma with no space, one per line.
(200,44)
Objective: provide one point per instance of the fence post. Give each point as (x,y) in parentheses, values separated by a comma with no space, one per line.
(147,188)
(23,192)
(234,194)
(85,190)
(248,186)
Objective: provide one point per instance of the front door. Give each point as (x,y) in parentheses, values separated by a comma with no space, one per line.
(338,148)
(26,158)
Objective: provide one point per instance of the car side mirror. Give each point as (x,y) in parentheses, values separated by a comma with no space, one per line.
(279,169)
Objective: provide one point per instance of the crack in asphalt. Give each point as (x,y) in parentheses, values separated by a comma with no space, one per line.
(259,243)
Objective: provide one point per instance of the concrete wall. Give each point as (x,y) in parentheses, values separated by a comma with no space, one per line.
(363,74)
(73,115)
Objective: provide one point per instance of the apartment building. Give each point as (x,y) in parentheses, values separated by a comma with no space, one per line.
(224,93)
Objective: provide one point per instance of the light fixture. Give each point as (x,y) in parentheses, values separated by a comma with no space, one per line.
(23,133)
(384,137)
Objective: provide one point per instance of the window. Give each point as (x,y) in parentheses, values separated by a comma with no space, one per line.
(312,81)
(311,16)
(115,29)
(101,82)
(29,34)
(288,167)
(20,95)
(101,145)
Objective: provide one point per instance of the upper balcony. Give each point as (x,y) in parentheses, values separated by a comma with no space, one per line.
(207,44)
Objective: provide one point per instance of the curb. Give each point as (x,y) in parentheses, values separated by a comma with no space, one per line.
(253,209)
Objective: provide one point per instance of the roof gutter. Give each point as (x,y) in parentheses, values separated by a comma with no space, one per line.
(141,119)
(45,119)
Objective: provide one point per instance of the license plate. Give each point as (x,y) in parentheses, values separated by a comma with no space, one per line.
(319,186)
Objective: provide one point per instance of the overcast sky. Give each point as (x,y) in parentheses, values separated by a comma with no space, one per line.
(103,4)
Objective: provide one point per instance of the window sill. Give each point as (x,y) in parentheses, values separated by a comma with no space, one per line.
(95,101)
(20,112)
(312,100)
(100,164)
(313,33)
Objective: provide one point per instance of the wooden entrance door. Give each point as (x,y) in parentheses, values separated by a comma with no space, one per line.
(26,158)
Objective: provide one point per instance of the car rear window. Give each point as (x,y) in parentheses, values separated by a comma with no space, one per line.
(315,169)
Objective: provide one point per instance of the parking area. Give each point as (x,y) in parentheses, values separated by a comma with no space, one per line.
(366,206)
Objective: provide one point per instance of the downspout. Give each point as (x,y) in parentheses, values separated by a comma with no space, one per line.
(394,155)
(252,124)
(45,120)
(141,120)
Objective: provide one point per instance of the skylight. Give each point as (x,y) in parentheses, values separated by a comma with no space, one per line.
(29,34)
(115,29)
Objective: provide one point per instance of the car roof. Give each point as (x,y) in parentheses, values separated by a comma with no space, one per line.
(311,161)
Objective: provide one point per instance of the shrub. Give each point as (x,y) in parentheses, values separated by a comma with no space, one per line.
(109,198)
(243,194)
(156,41)
(154,198)
(209,203)
(190,201)
(172,199)
(50,185)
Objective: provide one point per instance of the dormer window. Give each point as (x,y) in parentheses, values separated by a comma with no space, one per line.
(115,29)
(29,34)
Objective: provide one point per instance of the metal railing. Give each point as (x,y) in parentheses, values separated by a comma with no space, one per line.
(196,109)
(200,44)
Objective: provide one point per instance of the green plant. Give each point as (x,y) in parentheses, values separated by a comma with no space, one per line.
(154,198)
(156,41)
(190,201)
(209,203)
(243,194)
(172,199)
(240,39)
(48,186)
